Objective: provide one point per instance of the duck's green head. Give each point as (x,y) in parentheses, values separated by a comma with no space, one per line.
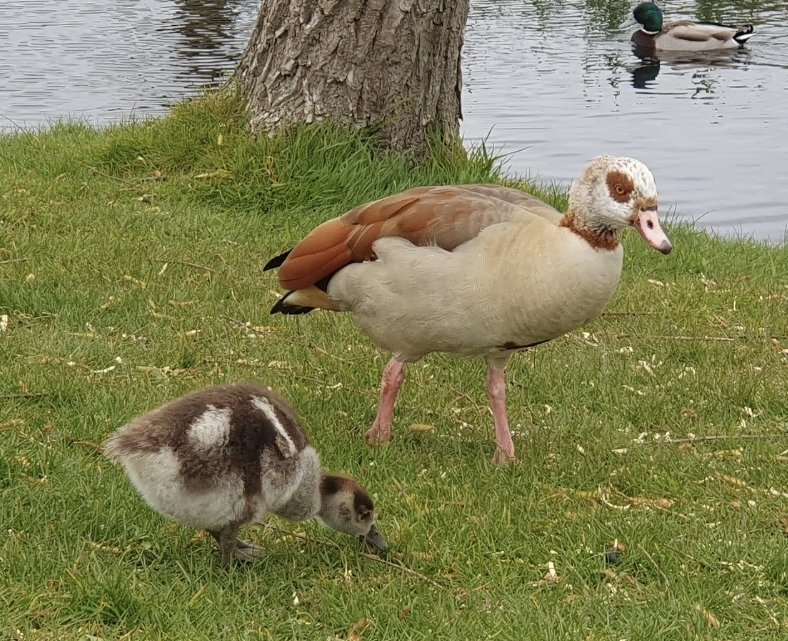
(650,16)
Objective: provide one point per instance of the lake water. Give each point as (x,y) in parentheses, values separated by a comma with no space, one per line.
(549,83)
(559,81)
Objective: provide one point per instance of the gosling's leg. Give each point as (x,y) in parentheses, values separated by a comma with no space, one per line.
(230,545)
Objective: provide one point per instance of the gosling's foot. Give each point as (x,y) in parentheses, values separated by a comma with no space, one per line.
(229,546)
(246,552)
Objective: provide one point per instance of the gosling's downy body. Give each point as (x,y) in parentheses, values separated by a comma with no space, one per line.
(222,457)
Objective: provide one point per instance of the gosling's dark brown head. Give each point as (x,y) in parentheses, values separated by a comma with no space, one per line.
(347,507)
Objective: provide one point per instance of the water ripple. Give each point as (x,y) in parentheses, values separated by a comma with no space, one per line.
(561,81)
(99,61)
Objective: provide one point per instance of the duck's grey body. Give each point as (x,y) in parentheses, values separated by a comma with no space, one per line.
(685,35)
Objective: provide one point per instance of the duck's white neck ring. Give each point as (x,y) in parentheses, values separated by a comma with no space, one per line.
(647,32)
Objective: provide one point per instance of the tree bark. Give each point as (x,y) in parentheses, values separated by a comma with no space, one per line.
(392,66)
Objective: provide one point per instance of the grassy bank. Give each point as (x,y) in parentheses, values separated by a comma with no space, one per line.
(130,272)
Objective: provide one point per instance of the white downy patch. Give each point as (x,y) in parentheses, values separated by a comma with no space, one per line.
(287,446)
(210,429)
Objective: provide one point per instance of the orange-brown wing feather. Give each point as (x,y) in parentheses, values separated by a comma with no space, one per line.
(519,198)
(442,216)
(322,252)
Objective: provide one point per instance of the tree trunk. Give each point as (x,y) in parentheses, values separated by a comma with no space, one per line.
(392,66)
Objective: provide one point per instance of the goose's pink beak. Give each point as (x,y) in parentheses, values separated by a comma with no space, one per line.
(647,224)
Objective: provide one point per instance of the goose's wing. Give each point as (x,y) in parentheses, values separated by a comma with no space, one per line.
(444,216)
(528,202)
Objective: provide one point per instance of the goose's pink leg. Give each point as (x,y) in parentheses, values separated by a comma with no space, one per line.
(496,393)
(393,376)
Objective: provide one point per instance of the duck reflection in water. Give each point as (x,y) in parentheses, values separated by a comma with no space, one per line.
(644,74)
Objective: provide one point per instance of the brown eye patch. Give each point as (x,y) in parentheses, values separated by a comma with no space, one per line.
(620,186)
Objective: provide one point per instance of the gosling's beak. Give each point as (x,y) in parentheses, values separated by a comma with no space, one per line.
(647,223)
(375,540)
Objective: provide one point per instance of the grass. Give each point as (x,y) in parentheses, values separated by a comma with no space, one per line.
(130,273)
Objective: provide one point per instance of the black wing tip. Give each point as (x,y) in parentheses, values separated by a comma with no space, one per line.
(744,33)
(277,261)
(282,307)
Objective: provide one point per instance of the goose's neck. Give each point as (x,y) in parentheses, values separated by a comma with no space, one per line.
(600,236)
(304,474)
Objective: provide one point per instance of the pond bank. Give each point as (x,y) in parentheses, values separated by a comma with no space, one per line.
(130,273)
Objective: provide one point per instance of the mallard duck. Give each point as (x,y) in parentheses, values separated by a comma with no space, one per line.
(222,457)
(685,35)
(472,270)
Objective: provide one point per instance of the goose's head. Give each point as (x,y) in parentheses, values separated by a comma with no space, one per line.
(616,192)
(346,507)
(650,16)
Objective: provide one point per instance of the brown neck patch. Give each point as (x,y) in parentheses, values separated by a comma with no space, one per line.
(604,239)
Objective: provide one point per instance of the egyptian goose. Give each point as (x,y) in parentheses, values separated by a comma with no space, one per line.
(222,457)
(472,270)
(685,35)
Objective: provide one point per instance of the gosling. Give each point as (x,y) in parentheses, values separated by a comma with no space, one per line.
(222,457)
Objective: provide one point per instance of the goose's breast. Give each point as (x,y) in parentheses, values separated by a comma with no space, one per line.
(558,283)
(511,284)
